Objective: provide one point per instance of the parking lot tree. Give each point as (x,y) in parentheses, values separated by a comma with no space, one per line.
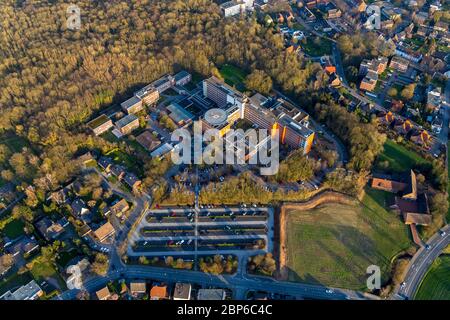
(143,260)
(169,260)
(264,264)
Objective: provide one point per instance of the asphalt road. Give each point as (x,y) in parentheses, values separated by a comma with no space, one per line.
(421,262)
(238,282)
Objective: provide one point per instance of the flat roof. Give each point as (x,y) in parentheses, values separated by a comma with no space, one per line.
(178,113)
(294,125)
(144,91)
(126,120)
(182,74)
(130,102)
(97,122)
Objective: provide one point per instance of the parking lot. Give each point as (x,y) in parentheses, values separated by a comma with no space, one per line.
(206,230)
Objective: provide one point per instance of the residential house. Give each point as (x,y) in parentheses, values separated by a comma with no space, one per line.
(132,181)
(413,56)
(420,18)
(79,208)
(103,294)
(100,124)
(387,24)
(422,31)
(391,13)
(30,291)
(434,99)
(377,65)
(138,288)
(330,69)
(441,26)
(182,291)
(118,171)
(158,292)
(334,80)
(414,211)
(369,82)
(132,105)
(422,138)
(25,246)
(403,127)
(211,294)
(334,13)
(119,208)
(361,6)
(106,211)
(59,197)
(49,229)
(104,231)
(127,124)
(386,118)
(105,163)
(399,64)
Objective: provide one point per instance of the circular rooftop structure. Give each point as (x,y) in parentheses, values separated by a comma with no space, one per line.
(216,117)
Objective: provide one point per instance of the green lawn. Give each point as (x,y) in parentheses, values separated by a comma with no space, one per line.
(14,143)
(14,281)
(44,270)
(122,158)
(65,257)
(110,137)
(400,159)
(316,47)
(436,284)
(334,244)
(13,229)
(233,76)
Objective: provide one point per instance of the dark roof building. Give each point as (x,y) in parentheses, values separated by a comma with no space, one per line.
(49,229)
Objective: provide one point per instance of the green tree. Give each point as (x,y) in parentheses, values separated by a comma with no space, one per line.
(259,81)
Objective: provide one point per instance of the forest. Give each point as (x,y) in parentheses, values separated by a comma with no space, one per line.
(53,79)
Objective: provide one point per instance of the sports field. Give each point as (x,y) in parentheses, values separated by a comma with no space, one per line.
(436,284)
(334,244)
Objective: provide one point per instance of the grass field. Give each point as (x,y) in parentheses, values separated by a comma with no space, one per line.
(233,76)
(44,270)
(14,143)
(399,158)
(123,158)
(334,244)
(436,284)
(14,281)
(316,47)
